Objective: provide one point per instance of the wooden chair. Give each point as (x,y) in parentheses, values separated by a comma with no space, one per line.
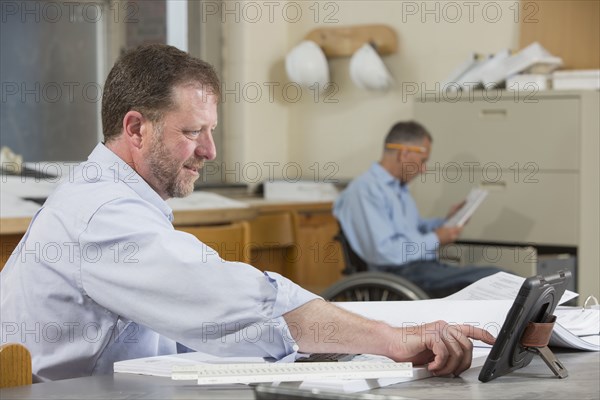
(8,243)
(274,243)
(231,241)
(276,229)
(15,365)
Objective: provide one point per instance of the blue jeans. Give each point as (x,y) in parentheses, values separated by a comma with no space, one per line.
(438,279)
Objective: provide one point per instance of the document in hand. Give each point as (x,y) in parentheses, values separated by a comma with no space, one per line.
(472,202)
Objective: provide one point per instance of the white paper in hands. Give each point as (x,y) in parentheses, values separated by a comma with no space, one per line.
(472,202)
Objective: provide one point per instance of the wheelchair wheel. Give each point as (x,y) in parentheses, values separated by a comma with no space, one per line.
(374,286)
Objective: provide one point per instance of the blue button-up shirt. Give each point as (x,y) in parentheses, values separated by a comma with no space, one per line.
(382,223)
(101,276)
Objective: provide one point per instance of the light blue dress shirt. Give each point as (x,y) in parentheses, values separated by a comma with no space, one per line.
(101,276)
(382,223)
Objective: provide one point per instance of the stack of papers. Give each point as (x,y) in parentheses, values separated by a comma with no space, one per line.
(492,71)
(163,366)
(528,82)
(478,71)
(300,191)
(204,200)
(576,328)
(576,79)
(533,59)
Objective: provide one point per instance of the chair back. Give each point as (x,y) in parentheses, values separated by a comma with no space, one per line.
(15,365)
(354,263)
(8,244)
(276,229)
(231,241)
(274,242)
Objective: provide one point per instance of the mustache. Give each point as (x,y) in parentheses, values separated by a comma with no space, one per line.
(194,163)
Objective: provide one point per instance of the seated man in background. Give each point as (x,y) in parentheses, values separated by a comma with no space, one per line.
(382,224)
(101,275)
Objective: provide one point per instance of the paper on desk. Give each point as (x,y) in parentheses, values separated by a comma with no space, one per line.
(485,304)
(501,285)
(579,321)
(163,365)
(204,200)
(359,385)
(11,206)
(494,294)
(577,328)
(27,186)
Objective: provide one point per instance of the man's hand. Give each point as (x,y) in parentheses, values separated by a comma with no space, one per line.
(448,234)
(446,348)
(454,209)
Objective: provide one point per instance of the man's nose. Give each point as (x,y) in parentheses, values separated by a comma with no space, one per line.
(206,147)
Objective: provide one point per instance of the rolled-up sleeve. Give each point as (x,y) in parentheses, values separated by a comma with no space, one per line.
(427,225)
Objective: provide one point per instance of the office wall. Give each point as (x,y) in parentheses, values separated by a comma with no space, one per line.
(346,127)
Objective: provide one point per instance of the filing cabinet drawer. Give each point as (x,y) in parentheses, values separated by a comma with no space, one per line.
(508,134)
(543,210)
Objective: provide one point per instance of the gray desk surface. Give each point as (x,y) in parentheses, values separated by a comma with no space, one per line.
(533,382)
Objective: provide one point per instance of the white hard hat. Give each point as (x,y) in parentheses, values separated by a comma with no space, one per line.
(306,65)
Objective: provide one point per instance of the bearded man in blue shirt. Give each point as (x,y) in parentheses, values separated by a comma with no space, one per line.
(123,283)
(381,221)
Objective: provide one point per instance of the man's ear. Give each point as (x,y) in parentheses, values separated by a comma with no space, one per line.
(401,155)
(134,128)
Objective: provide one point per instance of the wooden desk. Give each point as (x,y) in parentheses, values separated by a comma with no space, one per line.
(533,382)
(12,229)
(18,226)
(294,239)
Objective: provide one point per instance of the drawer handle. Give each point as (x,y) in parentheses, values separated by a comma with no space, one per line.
(494,113)
(497,185)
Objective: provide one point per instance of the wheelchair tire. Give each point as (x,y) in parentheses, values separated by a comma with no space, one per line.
(374,286)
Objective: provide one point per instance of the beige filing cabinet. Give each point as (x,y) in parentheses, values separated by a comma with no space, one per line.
(536,153)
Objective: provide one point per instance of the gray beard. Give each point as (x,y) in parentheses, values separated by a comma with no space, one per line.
(166,170)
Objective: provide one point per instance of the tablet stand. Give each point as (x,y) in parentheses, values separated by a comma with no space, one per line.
(535,339)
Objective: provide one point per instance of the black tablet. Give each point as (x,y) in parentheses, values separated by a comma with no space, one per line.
(536,301)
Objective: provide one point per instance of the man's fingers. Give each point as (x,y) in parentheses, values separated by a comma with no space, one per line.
(459,350)
(478,334)
(467,357)
(450,346)
(441,355)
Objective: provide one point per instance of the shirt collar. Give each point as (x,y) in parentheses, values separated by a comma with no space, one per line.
(382,175)
(119,169)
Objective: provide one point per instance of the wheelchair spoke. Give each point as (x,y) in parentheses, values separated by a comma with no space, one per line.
(385,295)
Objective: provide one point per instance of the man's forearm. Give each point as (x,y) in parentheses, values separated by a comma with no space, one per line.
(321,327)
